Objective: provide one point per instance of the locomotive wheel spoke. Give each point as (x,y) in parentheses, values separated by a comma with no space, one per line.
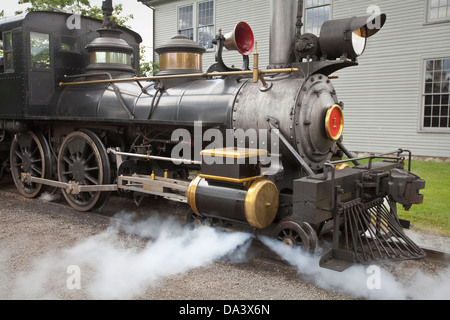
(91,179)
(30,153)
(92,169)
(37,170)
(77,148)
(83,159)
(35,150)
(68,161)
(18,154)
(91,156)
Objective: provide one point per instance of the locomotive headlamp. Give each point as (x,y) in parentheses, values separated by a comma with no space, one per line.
(347,38)
(180,55)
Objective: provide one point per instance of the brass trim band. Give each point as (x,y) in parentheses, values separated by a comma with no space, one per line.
(236,153)
(180,61)
(190,194)
(204,176)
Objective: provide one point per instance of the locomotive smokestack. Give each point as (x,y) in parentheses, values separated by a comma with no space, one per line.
(282,31)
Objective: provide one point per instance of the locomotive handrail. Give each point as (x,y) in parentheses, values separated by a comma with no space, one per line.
(347,153)
(330,168)
(85,75)
(377,156)
(150,157)
(181,76)
(371,157)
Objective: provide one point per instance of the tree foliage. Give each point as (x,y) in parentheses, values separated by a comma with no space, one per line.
(148,68)
(81,6)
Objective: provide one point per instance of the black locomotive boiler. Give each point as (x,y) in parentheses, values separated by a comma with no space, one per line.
(265,147)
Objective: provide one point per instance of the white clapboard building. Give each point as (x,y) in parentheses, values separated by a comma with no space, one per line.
(398,97)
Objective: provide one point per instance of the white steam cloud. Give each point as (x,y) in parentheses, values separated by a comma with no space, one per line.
(49,197)
(358,279)
(127,260)
(111,268)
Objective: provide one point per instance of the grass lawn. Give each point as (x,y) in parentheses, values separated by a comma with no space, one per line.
(433,216)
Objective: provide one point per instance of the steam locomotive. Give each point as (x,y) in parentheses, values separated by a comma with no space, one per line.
(262,149)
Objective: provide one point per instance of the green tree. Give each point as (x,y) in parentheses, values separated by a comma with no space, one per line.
(148,68)
(49,4)
(81,6)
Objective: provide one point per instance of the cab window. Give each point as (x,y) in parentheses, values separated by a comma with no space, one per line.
(69,44)
(6,46)
(40,50)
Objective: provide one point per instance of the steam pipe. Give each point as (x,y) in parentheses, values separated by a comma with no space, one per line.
(299,23)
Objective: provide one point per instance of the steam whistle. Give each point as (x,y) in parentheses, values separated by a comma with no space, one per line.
(241,39)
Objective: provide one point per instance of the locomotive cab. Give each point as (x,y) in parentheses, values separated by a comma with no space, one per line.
(40,49)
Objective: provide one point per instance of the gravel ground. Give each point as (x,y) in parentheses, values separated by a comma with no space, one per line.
(49,251)
(35,237)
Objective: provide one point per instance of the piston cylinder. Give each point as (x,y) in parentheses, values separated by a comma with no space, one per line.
(252,202)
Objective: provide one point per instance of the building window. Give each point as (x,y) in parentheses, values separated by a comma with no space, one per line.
(205,28)
(198,24)
(8,60)
(437,94)
(316,13)
(186,21)
(438,10)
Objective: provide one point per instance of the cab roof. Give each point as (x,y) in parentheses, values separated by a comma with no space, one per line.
(14,21)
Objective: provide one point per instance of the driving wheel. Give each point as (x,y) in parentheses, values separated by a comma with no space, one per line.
(30,153)
(83,160)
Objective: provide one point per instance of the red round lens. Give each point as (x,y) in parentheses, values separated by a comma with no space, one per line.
(334,122)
